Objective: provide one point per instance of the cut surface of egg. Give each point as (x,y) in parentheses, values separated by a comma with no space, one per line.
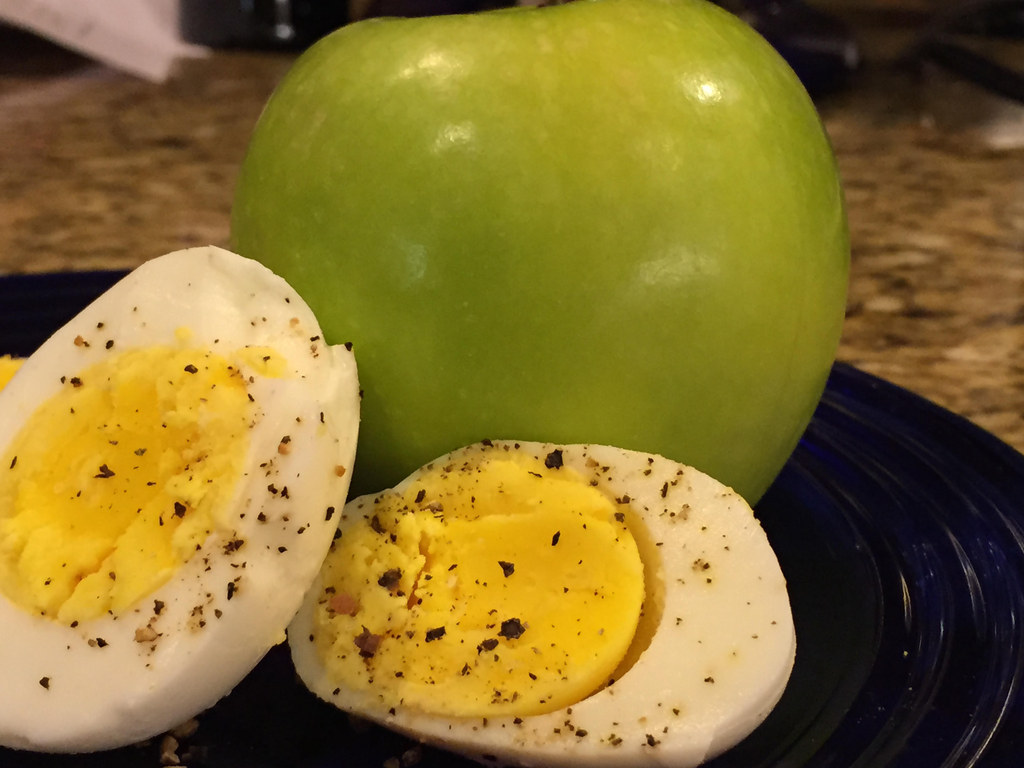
(534,604)
(172,459)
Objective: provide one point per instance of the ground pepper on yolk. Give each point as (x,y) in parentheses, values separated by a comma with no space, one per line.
(508,586)
(118,478)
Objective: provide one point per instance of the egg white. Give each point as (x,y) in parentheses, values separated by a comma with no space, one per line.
(98,685)
(710,660)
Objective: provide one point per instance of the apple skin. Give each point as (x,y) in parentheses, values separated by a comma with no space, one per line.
(611,221)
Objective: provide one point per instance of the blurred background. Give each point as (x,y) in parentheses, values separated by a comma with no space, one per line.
(812,34)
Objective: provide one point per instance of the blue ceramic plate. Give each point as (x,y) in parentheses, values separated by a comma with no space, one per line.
(900,527)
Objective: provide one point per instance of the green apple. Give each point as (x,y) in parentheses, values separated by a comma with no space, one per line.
(611,221)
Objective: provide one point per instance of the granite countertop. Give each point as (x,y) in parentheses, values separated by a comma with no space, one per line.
(99,170)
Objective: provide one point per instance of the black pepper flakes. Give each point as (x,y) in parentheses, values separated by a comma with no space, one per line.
(367,643)
(45,682)
(511,629)
(554,539)
(434,634)
(390,578)
(191,369)
(554,459)
(487,645)
(507,568)
(179,509)
(104,472)
(330,514)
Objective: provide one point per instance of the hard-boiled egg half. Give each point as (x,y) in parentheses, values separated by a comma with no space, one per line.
(536,604)
(172,460)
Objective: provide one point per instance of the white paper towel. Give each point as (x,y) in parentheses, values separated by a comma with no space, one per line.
(138,36)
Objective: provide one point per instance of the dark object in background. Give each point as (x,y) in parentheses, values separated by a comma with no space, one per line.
(955,39)
(293,24)
(297,24)
(362,9)
(819,47)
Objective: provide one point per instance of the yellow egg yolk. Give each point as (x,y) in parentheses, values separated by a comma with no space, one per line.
(117,479)
(8,367)
(502,587)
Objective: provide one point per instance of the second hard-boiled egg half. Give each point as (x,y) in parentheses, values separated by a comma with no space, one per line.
(534,604)
(172,465)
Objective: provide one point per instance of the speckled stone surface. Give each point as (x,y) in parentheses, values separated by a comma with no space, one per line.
(98,170)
